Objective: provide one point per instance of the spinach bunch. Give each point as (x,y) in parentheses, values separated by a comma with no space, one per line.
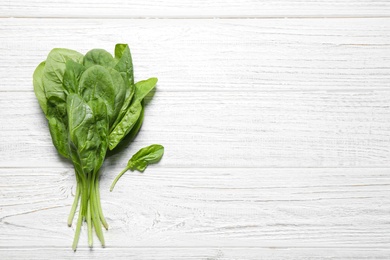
(91,103)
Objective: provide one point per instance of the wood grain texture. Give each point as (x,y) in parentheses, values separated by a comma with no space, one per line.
(242,129)
(277,131)
(214,55)
(236,253)
(190,207)
(198,9)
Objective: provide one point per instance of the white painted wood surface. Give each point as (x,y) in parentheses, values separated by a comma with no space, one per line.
(195,9)
(241,54)
(165,207)
(277,131)
(228,129)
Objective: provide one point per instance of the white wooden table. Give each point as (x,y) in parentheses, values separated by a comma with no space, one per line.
(276,130)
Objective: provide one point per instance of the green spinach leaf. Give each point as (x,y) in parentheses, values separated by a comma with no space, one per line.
(124,107)
(125,63)
(59,135)
(142,88)
(145,156)
(134,131)
(125,125)
(99,109)
(130,118)
(38,86)
(54,71)
(120,92)
(140,160)
(83,131)
(96,82)
(72,75)
(98,57)
(58,124)
(52,79)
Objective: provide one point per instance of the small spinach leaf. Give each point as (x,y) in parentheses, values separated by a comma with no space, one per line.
(141,159)
(145,156)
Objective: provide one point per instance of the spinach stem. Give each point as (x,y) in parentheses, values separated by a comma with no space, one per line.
(78,228)
(89,224)
(99,206)
(84,194)
(96,217)
(74,206)
(118,177)
(87,191)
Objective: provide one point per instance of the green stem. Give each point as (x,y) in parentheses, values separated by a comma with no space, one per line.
(74,206)
(99,206)
(96,217)
(89,224)
(118,177)
(90,182)
(78,229)
(84,194)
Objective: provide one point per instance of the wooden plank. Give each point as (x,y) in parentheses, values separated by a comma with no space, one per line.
(282,208)
(199,253)
(214,129)
(214,55)
(200,9)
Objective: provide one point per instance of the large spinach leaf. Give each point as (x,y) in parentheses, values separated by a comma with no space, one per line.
(96,82)
(83,131)
(38,86)
(58,124)
(54,71)
(143,87)
(120,92)
(72,76)
(125,125)
(125,63)
(130,117)
(98,57)
(99,109)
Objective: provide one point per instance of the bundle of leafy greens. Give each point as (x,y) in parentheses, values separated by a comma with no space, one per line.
(91,103)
